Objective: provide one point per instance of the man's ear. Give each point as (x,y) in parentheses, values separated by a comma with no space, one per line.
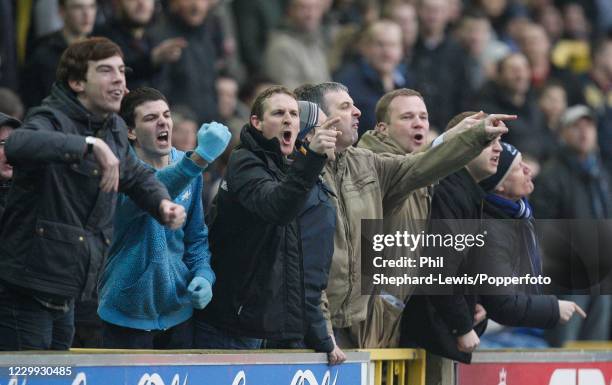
(381,127)
(255,122)
(131,133)
(77,86)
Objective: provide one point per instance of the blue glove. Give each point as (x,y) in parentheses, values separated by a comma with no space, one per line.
(201,292)
(212,140)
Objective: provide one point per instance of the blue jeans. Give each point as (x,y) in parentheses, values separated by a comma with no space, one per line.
(25,324)
(118,337)
(209,337)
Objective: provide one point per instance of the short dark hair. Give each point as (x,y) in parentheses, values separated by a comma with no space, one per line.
(551,83)
(305,92)
(258,105)
(75,59)
(248,89)
(316,93)
(134,99)
(382,106)
(458,118)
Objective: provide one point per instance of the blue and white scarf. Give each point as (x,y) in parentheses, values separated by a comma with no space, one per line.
(521,209)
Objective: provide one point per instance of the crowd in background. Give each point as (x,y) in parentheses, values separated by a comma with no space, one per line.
(532,58)
(210,57)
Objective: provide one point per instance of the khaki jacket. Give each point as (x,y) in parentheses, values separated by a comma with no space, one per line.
(293,58)
(382,325)
(367,185)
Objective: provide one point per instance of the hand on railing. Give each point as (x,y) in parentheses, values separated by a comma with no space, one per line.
(336,356)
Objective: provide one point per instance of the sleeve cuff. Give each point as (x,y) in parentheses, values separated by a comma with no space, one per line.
(190,167)
(74,148)
(438,141)
(206,274)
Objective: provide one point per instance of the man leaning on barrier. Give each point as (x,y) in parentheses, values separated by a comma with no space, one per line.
(70,158)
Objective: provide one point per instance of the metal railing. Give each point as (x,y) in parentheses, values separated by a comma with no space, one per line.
(396,366)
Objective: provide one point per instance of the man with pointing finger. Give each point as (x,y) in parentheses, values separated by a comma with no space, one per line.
(254,231)
(449,325)
(369,185)
(70,159)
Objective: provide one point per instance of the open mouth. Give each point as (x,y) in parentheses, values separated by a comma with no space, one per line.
(495,160)
(419,137)
(117,93)
(163,137)
(287,138)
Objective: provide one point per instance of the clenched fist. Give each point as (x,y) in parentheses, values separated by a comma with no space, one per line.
(172,214)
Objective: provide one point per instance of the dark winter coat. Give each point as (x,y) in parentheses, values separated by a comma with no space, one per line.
(506,255)
(435,321)
(57,224)
(317,222)
(255,241)
(190,81)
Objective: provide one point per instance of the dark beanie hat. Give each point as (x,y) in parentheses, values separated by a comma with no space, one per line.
(507,157)
(6,120)
(309,116)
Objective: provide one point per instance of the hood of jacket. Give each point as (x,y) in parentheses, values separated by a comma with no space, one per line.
(380,143)
(253,140)
(65,100)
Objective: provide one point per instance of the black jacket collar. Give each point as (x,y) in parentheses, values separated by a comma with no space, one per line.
(267,149)
(63,99)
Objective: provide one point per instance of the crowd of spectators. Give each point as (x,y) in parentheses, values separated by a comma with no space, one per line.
(207,56)
(549,62)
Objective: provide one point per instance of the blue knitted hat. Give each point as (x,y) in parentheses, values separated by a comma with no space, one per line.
(506,159)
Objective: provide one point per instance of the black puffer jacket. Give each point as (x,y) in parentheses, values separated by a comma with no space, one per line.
(57,224)
(506,255)
(255,241)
